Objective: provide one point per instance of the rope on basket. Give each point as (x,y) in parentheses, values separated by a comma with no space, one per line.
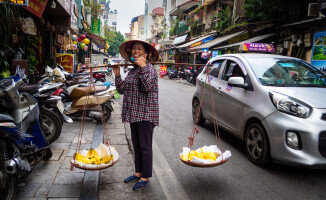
(195,130)
(107,141)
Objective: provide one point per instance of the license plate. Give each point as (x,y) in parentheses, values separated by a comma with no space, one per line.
(60,106)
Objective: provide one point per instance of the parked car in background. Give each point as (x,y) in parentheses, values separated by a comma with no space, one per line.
(276,104)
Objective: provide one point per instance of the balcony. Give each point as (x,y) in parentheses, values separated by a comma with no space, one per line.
(181,6)
(183,28)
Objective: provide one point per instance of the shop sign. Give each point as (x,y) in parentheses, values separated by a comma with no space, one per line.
(208,39)
(240,38)
(163,70)
(318,58)
(261,47)
(18,2)
(201,42)
(36,7)
(29,26)
(215,53)
(96,23)
(171,54)
(206,54)
(66,61)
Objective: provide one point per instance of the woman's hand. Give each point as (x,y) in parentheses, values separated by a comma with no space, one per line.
(141,62)
(116,69)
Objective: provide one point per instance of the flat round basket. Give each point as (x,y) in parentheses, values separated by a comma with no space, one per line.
(202,165)
(100,167)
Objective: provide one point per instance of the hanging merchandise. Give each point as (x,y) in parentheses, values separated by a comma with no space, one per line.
(79,39)
(85,48)
(104,156)
(75,42)
(86,41)
(82,45)
(74,37)
(83,36)
(207,156)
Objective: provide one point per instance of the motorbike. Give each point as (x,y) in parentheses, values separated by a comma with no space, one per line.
(101,95)
(176,74)
(51,108)
(22,142)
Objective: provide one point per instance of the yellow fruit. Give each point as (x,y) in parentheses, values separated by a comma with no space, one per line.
(107,159)
(200,155)
(209,155)
(192,154)
(185,156)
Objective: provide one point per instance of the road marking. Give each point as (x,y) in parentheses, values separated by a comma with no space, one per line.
(169,182)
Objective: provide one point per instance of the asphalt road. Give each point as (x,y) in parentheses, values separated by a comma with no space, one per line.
(236,179)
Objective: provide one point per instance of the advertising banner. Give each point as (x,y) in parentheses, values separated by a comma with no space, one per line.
(318,58)
(163,70)
(66,61)
(36,7)
(18,2)
(261,47)
(96,24)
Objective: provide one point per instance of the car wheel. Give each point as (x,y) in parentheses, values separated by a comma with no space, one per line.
(257,146)
(196,113)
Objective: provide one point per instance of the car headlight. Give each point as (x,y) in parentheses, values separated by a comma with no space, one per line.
(290,105)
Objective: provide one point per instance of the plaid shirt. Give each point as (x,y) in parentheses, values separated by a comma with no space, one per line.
(140,95)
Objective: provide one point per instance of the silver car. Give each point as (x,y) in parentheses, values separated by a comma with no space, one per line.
(276,104)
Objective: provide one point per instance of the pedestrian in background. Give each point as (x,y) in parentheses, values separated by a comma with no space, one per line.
(140,105)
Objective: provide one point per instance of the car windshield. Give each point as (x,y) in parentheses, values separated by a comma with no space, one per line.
(286,72)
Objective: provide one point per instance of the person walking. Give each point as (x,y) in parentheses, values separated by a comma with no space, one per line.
(140,105)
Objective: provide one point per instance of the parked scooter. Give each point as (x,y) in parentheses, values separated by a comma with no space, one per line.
(104,97)
(22,143)
(176,74)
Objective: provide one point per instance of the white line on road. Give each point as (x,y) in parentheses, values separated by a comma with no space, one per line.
(169,182)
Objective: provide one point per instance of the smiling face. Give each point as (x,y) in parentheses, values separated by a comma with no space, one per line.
(138,50)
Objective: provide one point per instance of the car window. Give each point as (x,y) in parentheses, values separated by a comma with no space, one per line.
(232,69)
(215,67)
(286,72)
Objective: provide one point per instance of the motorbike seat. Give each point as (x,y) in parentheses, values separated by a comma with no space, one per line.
(29,88)
(5,118)
(79,92)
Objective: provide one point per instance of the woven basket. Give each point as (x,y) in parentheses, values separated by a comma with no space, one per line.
(203,165)
(98,168)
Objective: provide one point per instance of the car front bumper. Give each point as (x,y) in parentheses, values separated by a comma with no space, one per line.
(311,131)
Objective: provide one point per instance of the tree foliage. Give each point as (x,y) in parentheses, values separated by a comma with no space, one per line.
(267,9)
(114,40)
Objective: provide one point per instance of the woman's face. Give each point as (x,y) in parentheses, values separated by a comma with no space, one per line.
(138,50)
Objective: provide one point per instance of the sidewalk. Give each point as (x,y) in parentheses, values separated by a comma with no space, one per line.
(53,179)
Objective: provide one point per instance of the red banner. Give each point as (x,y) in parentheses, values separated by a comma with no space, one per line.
(36,7)
(66,61)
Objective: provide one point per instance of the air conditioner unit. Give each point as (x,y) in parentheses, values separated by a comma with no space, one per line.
(313,10)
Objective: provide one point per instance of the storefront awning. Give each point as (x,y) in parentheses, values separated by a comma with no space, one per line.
(304,21)
(218,40)
(180,39)
(188,44)
(96,39)
(251,40)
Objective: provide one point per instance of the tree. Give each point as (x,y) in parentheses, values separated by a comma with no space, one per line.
(266,9)
(115,43)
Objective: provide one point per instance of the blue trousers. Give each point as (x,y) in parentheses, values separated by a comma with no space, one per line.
(142,137)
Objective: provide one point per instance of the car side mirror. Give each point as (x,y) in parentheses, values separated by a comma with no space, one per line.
(237,82)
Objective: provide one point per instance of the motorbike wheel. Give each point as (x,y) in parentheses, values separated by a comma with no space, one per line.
(107,112)
(50,125)
(10,190)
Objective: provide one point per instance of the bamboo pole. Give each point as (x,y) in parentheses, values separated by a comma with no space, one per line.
(156,63)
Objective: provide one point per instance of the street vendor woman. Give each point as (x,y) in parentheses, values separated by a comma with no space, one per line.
(140,105)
